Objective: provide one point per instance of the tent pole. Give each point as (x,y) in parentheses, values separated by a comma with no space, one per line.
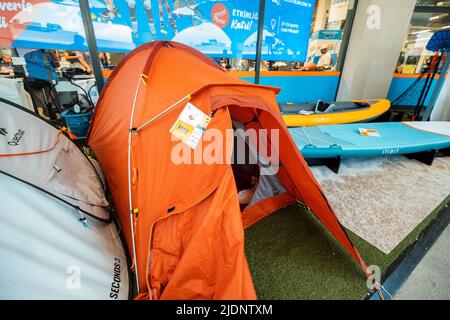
(259,40)
(437,89)
(186,98)
(130,196)
(92,43)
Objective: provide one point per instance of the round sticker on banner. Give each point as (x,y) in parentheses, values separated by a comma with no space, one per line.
(219,15)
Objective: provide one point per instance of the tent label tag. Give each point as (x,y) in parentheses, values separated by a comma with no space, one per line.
(190,125)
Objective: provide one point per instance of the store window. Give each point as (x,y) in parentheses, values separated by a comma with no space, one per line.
(329,24)
(414,57)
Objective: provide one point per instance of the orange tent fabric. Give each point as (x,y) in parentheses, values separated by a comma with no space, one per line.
(189,228)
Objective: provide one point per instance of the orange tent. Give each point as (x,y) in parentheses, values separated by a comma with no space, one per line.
(187,222)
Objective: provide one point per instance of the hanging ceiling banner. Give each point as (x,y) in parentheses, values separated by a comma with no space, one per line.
(216,28)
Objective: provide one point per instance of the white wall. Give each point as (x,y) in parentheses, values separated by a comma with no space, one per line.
(379,31)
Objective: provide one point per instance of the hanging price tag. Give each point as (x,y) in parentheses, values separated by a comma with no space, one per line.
(190,125)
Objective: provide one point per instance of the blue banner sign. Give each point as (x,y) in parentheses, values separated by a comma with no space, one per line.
(226,28)
(287,27)
(216,28)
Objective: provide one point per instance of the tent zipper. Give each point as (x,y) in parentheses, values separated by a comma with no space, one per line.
(150,255)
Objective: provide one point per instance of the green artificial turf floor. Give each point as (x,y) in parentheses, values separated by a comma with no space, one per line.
(292,256)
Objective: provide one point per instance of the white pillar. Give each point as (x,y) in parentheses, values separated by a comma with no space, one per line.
(378,34)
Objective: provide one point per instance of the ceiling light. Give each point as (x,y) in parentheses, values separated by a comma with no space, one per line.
(434,18)
(423,31)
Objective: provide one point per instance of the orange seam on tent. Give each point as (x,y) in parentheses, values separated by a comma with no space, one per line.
(33,152)
(257,211)
(71,135)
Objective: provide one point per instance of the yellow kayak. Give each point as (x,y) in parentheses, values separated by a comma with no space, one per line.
(323,113)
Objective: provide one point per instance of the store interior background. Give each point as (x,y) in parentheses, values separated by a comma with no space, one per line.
(368,63)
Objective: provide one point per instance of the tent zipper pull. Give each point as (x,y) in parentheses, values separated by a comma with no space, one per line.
(134,212)
(83,220)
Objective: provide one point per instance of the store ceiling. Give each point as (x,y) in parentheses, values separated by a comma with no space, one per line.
(438,3)
(423,24)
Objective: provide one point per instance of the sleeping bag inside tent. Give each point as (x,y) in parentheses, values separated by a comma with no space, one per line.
(161,132)
(57,240)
